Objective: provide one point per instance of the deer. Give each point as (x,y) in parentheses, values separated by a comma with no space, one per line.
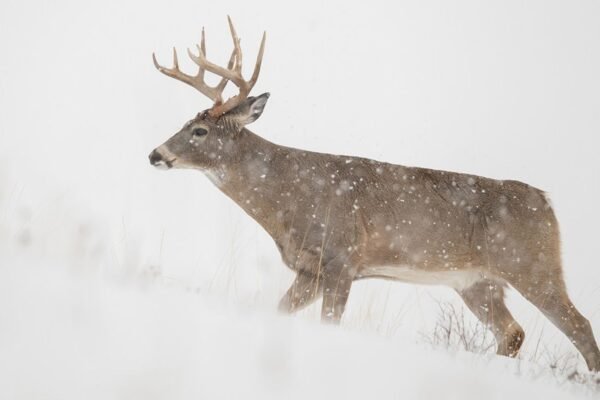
(336,219)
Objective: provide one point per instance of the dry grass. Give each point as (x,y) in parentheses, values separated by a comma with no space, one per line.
(457,330)
(454,331)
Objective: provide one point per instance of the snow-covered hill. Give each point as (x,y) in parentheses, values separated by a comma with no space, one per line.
(68,336)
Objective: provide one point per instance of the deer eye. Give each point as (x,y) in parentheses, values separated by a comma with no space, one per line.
(199,132)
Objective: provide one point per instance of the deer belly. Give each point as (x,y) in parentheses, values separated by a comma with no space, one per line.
(456,279)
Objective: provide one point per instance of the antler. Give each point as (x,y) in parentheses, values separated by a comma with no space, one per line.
(232,73)
(214,93)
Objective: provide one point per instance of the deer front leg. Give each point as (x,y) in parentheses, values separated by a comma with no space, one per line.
(305,290)
(337,280)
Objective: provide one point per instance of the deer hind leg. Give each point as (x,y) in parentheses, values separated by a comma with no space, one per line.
(486,300)
(548,293)
(305,290)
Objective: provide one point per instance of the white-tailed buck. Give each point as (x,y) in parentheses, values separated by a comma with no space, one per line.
(336,219)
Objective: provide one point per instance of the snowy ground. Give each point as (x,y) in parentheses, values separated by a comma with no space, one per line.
(118,281)
(68,336)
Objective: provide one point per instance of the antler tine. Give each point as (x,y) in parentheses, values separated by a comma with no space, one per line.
(221,86)
(175,61)
(236,46)
(203,43)
(202,49)
(259,58)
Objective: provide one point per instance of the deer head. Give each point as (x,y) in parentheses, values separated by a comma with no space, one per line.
(210,137)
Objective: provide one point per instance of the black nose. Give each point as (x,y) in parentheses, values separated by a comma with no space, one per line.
(155,157)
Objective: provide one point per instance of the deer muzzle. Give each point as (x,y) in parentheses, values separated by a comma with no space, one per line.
(159,161)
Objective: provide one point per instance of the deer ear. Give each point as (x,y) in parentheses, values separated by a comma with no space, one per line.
(254,108)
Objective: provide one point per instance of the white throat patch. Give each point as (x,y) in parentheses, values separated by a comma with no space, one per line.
(215,177)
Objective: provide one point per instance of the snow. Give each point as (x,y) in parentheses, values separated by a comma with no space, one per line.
(100,338)
(120,281)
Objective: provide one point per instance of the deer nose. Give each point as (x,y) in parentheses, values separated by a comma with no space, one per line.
(155,157)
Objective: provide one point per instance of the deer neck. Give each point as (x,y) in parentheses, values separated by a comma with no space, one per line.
(249,177)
